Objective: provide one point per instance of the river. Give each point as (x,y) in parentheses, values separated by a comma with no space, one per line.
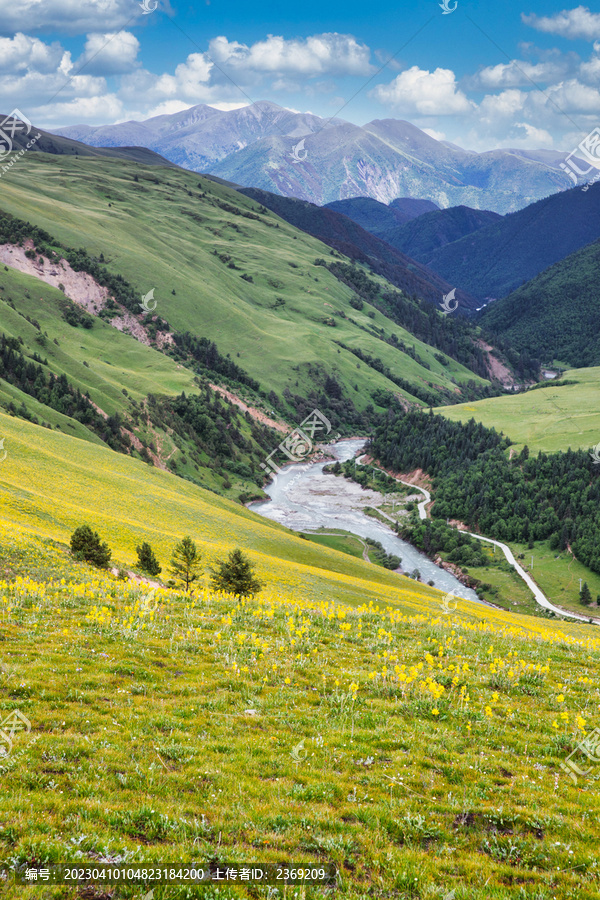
(304,498)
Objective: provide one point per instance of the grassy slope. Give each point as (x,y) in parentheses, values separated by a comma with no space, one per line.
(114,368)
(551,418)
(115,360)
(51,483)
(554,316)
(419,752)
(148,234)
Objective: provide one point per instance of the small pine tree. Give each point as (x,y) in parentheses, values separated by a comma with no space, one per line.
(585,595)
(236,576)
(185,562)
(147,560)
(86,545)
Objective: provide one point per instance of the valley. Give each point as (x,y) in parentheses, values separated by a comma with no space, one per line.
(298,545)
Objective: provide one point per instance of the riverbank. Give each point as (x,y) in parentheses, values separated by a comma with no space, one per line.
(303,498)
(538,595)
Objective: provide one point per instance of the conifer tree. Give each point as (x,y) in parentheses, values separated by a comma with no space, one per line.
(147,560)
(185,562)
(235,575)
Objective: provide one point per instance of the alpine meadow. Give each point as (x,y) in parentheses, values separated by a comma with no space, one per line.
(299,451)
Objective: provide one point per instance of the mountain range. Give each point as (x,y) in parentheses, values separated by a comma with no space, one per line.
(499,257)
(58,145)
(302,155)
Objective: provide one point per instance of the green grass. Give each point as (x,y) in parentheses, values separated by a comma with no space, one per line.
(551,418)
(52,483)
(114,360)
(558,573)
(158,236)
(117,371)
(419,753)
(344,543)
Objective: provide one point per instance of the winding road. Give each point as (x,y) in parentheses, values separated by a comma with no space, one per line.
(539,596)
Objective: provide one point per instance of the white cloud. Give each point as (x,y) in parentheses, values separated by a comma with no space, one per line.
(190,84)
(24,53)
(570,23)
(71,16)
(104,107)
(590,70)
(436,135)
(318,54)
(574,97)
(166,108)
(517,73)
(109,53)
(505,104)
(420,92)
(34,89)
(534,137)
(513,135)
(195,71)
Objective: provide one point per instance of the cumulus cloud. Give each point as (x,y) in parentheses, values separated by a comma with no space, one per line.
(574,97)
(590,71)
(420,92)
(436,135)
(518,73)
(70,16)
(23,53)
(109,53)
(229,72)
(514,135)
(101,108)
(570,23)
(166,108)
(190,84)
(36,88)
(318,54)
(504,105)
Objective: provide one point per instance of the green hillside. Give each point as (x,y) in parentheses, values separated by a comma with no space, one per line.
(421,237)
(51,483)
(555,416)
(554,317)
(225,269)
(340,716)
(133,391)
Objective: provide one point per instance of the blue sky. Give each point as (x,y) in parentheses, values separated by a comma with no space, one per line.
(488,74)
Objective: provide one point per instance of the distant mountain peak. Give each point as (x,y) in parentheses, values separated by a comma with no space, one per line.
(385,159)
